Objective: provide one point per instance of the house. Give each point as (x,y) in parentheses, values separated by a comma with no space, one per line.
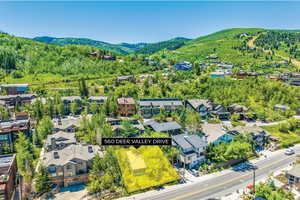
(137,164)
(8,133)
(259,135)
(96,53)
(220,112)
(110,58)
(126,106)
(97,99)
(116,125)
(192,149)
(70,165)
(211,57)
(59,140)
(183,66)
(220,73)
(202,106)
(13,89)
(242,74)
(172,128)
(281,107)
(8,171)
(293,175)
(225,66)
(19,99)
(121,79)
(71,99)
(69,125)
(295,82)
(150,107)
(21,116)
(213,132)
(239,110)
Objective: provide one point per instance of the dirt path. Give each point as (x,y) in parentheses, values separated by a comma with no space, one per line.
(251,44)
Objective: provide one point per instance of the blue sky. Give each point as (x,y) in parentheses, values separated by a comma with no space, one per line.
(141,21)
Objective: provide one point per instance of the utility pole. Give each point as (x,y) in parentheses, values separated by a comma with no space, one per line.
(254,181)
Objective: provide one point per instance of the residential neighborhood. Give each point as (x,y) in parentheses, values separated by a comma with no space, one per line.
(152,100)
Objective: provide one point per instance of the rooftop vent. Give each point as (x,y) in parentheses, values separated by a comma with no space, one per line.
(55,155)
(90,149)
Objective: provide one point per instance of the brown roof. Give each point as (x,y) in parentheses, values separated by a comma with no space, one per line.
(126,101)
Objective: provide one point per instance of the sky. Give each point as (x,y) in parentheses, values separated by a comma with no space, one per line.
(142,21)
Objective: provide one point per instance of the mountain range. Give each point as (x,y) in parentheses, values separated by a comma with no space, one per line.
(120,49)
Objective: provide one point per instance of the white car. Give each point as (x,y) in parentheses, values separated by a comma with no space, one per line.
(289,152)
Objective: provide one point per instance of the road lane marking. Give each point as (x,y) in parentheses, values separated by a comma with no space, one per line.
(226,182)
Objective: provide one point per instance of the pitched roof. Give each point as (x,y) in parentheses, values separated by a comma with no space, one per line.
(61,137)
(195,103)
(97,98)
(161,102)
(126,101)
(295,171)
(70,153)
(71,98)
(186,141)
(15,85)
(66,123)
(165,126)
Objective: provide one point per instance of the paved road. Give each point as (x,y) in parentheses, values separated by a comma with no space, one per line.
(227,183)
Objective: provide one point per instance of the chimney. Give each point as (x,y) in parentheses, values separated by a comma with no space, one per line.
(55,155)
(90,149)
(53,143)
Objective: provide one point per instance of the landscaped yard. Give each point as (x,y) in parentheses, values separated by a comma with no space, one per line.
(145,167)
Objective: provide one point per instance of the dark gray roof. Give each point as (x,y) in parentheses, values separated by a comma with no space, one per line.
(186,141)
(195,103)
(165,126)
(181,141)
(196,141)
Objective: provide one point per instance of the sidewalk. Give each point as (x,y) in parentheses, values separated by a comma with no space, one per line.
(194,180)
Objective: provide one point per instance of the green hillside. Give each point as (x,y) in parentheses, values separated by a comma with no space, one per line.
(118,49)
(168,44)
(25,60)
(230,46)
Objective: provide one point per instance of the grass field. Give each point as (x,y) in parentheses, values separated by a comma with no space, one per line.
(285,139)
(157,169)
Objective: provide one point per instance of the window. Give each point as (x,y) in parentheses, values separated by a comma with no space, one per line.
(52,169)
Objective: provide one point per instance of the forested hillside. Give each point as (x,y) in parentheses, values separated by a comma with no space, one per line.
(287,43)
(229,46)
(122,48)
(169,44)
(28,60)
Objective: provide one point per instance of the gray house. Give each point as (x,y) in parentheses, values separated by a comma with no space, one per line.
(66,124)
(59,140)
(171,128)
(150,107)
(202,106)
(192,149)
(293,175)
(70,165)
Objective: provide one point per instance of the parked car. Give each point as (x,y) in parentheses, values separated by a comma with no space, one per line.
(289,152)
(195,172)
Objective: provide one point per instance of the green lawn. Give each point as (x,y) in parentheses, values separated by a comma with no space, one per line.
(158,169)
(285,139)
